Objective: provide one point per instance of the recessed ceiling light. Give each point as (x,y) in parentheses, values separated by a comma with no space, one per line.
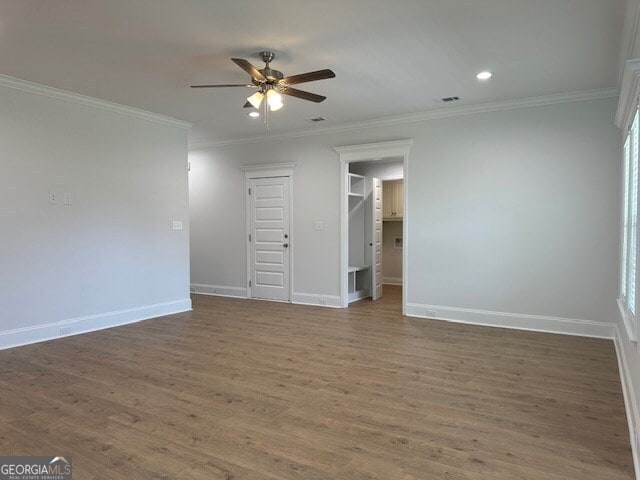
(484,75)
(254,114)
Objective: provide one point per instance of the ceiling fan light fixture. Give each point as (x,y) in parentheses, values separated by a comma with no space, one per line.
(274,99)
(254,114)
(256,99)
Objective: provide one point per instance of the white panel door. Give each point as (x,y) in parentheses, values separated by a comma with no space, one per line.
(376,235)
(269,238)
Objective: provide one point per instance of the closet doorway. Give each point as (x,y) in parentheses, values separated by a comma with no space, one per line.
(374,244)
(375,227)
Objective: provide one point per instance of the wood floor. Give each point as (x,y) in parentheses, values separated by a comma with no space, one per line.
(254,390)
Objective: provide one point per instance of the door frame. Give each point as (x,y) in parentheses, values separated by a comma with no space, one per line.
(271,170)
(362,153)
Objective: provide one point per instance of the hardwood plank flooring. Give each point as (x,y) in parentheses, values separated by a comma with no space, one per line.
(242,389)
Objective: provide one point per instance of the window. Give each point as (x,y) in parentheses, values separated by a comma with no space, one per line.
(629,257)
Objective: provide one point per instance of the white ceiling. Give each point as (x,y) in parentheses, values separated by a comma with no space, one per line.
(390,57)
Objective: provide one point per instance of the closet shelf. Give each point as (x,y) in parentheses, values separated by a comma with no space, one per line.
(355,185)
(358,268)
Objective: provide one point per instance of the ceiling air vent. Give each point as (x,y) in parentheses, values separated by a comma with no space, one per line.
(316,120)
(446,99)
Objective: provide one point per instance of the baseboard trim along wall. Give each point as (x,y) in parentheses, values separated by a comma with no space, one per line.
(218,290)
(630,404)
(391,281)
(89,323)
(316,299)
(537,323)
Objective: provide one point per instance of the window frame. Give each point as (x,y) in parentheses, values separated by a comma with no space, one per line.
(629,256)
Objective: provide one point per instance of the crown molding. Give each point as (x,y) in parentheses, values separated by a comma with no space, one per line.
(629,93)
(423,116)
(37,89)
(271,166)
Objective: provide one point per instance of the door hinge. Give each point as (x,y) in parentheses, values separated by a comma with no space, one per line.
(249,191)
(249,282)
(249,237)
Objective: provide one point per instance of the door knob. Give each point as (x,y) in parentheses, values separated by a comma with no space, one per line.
(285,245)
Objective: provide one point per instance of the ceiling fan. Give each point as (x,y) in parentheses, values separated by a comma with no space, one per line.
(272,83)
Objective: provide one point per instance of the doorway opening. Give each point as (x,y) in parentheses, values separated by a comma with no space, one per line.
(374,241)
(375,228)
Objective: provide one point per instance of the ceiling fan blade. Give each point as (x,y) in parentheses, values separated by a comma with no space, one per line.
(294,92)
(246,85)
(308,77)
(250,69)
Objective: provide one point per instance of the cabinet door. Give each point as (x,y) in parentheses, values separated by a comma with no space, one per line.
(399,199)
(388,195)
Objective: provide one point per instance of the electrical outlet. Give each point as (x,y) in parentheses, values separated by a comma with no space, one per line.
(192,289)
(53,198)
(177,225)
(430,313)
(65,331)
(318,225)
(322,301)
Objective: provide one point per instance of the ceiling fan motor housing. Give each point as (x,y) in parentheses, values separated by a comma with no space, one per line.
(271,75)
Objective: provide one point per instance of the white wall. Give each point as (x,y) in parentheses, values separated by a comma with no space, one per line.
(517,212)
(630,43)
(217,200)
(513,214)
(382,169)
(391,256)
(109,257)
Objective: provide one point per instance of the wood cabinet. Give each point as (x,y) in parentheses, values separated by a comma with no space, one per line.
(392,200)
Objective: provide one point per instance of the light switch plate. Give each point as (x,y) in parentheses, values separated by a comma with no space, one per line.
(177,225)
(318,225)
(67,199)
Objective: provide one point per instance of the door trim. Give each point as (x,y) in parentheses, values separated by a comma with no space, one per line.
(361,153)
(268,171)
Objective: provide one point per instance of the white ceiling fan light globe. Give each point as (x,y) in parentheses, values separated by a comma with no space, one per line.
(274,99)
(276,106)
(256,99)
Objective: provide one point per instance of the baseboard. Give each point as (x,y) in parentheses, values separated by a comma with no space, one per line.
(218,290)
(391,281)
(537,323)
(332,301)
(74,326)
(630,404)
